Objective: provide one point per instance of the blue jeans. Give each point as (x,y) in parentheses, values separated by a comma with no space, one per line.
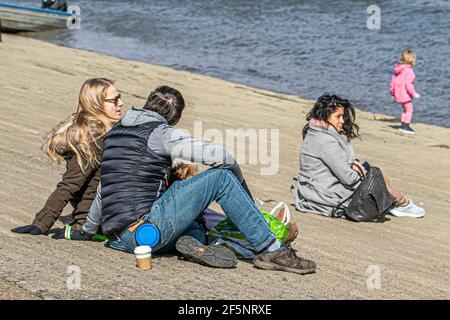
(174,213)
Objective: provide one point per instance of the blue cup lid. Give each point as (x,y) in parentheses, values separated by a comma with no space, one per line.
(147,235)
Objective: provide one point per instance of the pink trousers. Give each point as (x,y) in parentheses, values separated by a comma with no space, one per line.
(408,109)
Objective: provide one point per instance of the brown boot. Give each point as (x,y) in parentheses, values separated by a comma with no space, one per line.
(284,259)
(215,256)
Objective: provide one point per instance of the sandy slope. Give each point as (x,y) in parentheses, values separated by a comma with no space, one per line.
(39,85)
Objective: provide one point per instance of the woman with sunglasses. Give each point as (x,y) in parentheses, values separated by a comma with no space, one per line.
(78,141)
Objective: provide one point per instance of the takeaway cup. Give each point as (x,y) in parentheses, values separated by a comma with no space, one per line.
(143,257)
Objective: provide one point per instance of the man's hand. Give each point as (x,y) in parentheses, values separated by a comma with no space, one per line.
(183,171)
(293,232)
(30,229)
(71,234)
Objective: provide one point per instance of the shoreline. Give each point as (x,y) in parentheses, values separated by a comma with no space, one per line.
(197,72)
(40,84)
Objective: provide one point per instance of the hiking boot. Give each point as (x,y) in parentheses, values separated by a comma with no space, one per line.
(410,210)
(284,259)
(215,256)
(407,129)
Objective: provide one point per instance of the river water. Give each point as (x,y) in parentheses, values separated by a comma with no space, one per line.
(303,48)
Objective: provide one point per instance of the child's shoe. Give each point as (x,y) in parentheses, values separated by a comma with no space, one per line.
(405,128)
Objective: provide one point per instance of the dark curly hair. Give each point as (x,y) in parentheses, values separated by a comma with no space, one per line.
(166,101)
(325,106)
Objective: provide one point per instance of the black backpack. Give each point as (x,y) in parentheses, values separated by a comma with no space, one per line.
(370,202)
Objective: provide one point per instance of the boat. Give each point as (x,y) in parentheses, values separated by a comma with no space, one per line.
(18,18)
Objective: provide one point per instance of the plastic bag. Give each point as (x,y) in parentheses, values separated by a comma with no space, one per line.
(281,212)
(227,234)
(228,229)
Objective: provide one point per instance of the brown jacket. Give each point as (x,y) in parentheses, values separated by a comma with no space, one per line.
(76,187)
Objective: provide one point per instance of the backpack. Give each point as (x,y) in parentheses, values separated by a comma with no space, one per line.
(370,202)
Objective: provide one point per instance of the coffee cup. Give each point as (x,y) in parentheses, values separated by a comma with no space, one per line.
(143,257)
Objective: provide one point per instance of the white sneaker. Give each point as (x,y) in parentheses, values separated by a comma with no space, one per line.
(410,210)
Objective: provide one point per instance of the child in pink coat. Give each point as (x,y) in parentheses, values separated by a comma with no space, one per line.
(402,88)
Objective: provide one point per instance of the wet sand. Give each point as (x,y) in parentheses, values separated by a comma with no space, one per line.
(39,86)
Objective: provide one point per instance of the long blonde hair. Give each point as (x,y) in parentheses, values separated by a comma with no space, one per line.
(408,57)
(82,133)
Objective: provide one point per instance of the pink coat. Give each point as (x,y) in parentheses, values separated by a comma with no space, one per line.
(402,83)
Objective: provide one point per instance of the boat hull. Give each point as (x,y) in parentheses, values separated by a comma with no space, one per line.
(22,19)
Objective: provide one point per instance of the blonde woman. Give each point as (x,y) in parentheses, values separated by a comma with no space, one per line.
(78,141)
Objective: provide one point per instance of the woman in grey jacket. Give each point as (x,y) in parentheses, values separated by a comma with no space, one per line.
(329,172)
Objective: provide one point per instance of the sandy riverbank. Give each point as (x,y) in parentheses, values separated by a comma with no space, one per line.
(39,86)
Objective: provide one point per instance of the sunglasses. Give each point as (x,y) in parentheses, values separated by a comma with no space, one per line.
(114,100)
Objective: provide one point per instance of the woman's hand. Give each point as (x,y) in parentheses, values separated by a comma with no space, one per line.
(28,229)
(417,96)
(71,234)
(356,166)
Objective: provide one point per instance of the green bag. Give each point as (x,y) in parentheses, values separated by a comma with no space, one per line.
(227,229)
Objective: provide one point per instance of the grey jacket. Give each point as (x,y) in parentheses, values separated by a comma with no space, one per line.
(326,177)
(167,140)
